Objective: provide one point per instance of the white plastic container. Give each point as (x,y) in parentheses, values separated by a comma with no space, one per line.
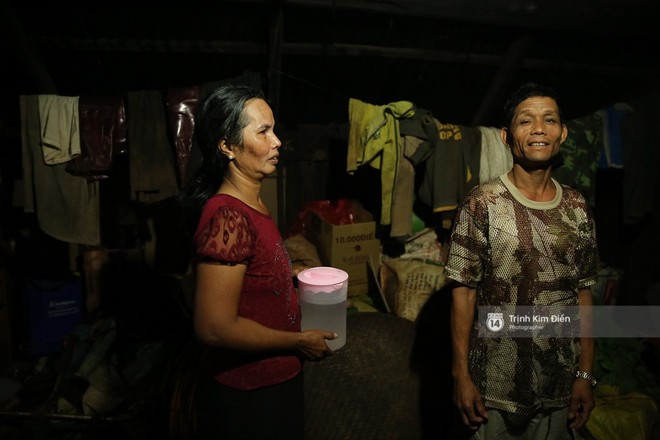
(323,292)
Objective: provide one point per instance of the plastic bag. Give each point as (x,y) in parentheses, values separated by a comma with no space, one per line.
(336,212)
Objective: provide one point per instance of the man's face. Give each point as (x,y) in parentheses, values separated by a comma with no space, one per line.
(536,132)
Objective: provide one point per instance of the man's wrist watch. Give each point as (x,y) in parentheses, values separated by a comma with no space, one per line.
(586,376)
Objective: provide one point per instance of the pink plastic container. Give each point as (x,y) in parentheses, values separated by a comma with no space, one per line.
(323,293)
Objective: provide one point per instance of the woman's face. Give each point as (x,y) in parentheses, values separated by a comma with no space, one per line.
(258,156)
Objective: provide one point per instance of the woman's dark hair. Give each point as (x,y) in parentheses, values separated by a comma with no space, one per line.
(220,116)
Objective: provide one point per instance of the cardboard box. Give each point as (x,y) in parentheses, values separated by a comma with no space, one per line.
(348,247)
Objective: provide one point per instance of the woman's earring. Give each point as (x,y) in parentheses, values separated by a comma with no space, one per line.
(230,157)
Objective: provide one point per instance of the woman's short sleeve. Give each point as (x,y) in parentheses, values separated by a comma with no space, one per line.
(226,238)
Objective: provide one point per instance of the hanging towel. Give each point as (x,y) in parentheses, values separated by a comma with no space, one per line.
(60,132)
(496,158)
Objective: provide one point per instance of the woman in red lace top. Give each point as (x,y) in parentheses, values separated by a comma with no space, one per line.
(246,310)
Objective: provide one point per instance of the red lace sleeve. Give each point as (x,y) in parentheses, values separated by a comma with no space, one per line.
(227,238)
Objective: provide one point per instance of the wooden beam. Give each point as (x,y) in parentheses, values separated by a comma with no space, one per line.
(513,60)
(331,50)
(633,18)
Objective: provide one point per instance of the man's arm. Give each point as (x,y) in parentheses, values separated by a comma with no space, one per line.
(582,397)
(466,396)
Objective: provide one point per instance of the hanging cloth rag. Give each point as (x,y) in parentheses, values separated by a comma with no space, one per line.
(374,140)
(151,154)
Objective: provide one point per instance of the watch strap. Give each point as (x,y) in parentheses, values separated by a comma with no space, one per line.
(586,376)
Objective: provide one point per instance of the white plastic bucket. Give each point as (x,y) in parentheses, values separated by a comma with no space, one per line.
(323,292)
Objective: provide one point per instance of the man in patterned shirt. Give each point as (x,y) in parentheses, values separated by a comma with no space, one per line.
(523,239)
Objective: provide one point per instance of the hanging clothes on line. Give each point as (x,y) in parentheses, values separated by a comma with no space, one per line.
(102,136)
(181,107)
(374,140)
(66,206)
(447,162)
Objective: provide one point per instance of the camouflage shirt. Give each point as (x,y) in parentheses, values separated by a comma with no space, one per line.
(518,251)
